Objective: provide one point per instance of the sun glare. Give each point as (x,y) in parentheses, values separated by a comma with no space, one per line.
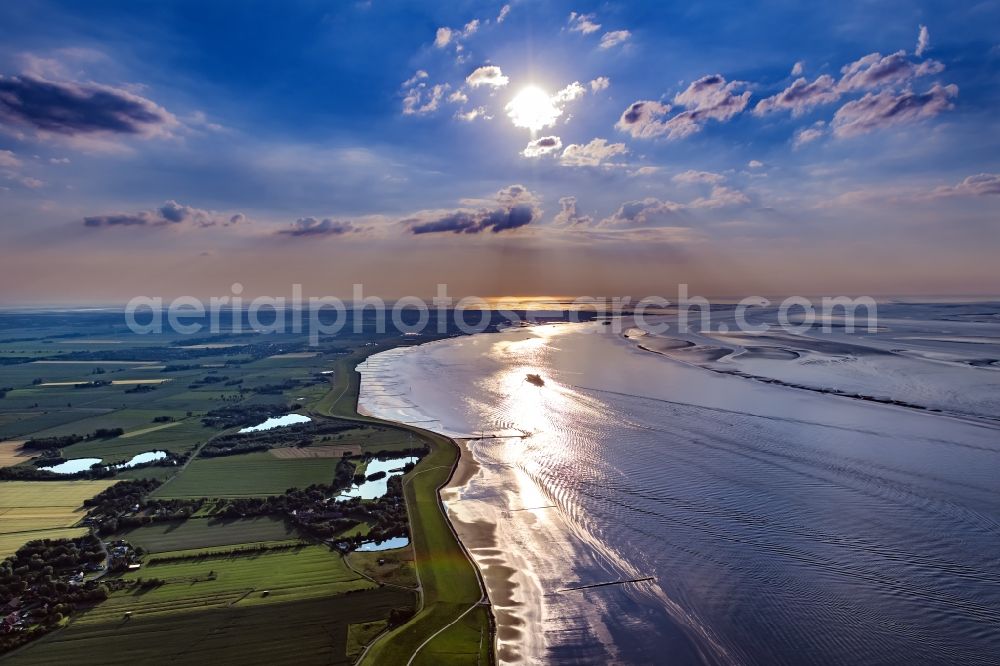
(533,109)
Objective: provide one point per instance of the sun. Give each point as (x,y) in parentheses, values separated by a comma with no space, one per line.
(533,109)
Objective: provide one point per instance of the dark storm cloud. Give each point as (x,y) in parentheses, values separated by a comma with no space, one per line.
(69,108)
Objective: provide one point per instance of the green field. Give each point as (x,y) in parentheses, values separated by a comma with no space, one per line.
(246,475)
(207,533)
(304,632)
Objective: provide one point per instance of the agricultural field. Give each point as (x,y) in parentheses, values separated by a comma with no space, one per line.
(307,632)
(246,475)
(247,590)
(32,510)
(207,533)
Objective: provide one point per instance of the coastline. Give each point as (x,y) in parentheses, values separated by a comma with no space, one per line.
(446,594)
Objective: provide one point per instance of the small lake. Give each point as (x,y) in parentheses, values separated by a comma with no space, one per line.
(379,487)
(142,458)
(73,466)
(388,544)
(277,422)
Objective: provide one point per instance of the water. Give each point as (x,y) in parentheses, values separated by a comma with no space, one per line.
(277,422)
(73,466)
(378,487)
(388,544)
(780,526)
(147,457)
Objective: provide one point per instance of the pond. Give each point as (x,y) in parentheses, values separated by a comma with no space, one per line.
(73,466)
(142,458)
(277,422)
(388,544)
(377,488)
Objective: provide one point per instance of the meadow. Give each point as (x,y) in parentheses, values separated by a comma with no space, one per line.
(246,475)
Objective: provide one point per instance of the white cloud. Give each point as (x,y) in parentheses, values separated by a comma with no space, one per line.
(458,97)
(502,16)
(470,28)
(568,216)
(546,145)
(755,164)
(691,176)
(643,213)
(614,38)
(569,93)
(801,96)
(9,159)
(487,75)
(923,41)
(473,114)
(708,98)
(877,71)
(583,23)
(983,184)
(419,98)
(887,109)
(595,153)
(443,37)
(809,134)
(798,68)
(599,84)
(721,197)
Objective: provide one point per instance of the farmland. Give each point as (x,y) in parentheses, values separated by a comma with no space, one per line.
(247,475)
(214,585)
(38,510)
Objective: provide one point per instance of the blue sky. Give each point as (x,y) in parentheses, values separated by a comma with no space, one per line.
(771,146)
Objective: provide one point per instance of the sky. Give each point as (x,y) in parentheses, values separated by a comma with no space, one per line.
(523,148)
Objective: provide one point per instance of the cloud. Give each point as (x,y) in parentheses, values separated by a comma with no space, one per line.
(545,145)
(74,109)
(9,159)
(312,227)
(583,23)
(170,214)
(443,37)
(708,98)
(568,216)
(923,41)
(487,75)
(887,109)
(646,171)
(980,185)
(798,68)
(800,96)
(472,114)
(755,164)
(420,98)
(595,153)
(458,97)
(876,71)
(643,119)
(691,176)
(809,134)
(644,213)
(614,38)
(569,93)
(513,207)
(721,197)
(502,16)
(599,84)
